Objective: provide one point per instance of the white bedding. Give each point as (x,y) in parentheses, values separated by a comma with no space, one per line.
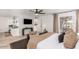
(52,43)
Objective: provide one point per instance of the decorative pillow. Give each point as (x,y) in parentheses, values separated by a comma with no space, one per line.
(43,33)
(70,39)
(61,37)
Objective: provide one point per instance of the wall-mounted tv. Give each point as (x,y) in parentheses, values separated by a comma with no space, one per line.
(27,21)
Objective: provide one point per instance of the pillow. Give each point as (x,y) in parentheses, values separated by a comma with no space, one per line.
(43,33)
(70,39)
(61,37)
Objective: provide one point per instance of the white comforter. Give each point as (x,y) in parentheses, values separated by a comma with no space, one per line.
(52,43)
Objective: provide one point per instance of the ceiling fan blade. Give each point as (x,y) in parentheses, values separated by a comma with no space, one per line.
(31,10)
(40,11)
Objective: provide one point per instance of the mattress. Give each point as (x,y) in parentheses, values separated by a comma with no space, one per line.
(52,43)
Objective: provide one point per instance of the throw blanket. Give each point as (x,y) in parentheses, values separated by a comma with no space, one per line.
(35,39)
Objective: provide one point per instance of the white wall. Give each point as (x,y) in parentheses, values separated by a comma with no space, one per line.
(73,14)
(4,22)
(21,21)
(47,20)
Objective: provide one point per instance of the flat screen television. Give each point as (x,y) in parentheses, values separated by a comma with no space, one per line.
(27,21)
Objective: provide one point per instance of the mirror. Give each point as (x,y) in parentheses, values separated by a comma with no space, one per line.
(65,23)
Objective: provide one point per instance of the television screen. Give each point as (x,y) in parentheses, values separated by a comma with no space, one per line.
(27,21)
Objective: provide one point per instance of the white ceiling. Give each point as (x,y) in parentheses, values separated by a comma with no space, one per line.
(9,12)
(57,10)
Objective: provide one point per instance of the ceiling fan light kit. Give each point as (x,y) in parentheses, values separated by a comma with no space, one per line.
(36,14)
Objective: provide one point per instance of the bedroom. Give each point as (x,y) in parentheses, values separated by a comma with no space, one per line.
(48,21)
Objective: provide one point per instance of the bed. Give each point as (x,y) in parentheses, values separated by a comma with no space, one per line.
(35,39)
(46,41)
(52,43)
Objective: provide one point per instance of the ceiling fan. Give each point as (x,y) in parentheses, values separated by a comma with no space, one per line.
(37,11)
